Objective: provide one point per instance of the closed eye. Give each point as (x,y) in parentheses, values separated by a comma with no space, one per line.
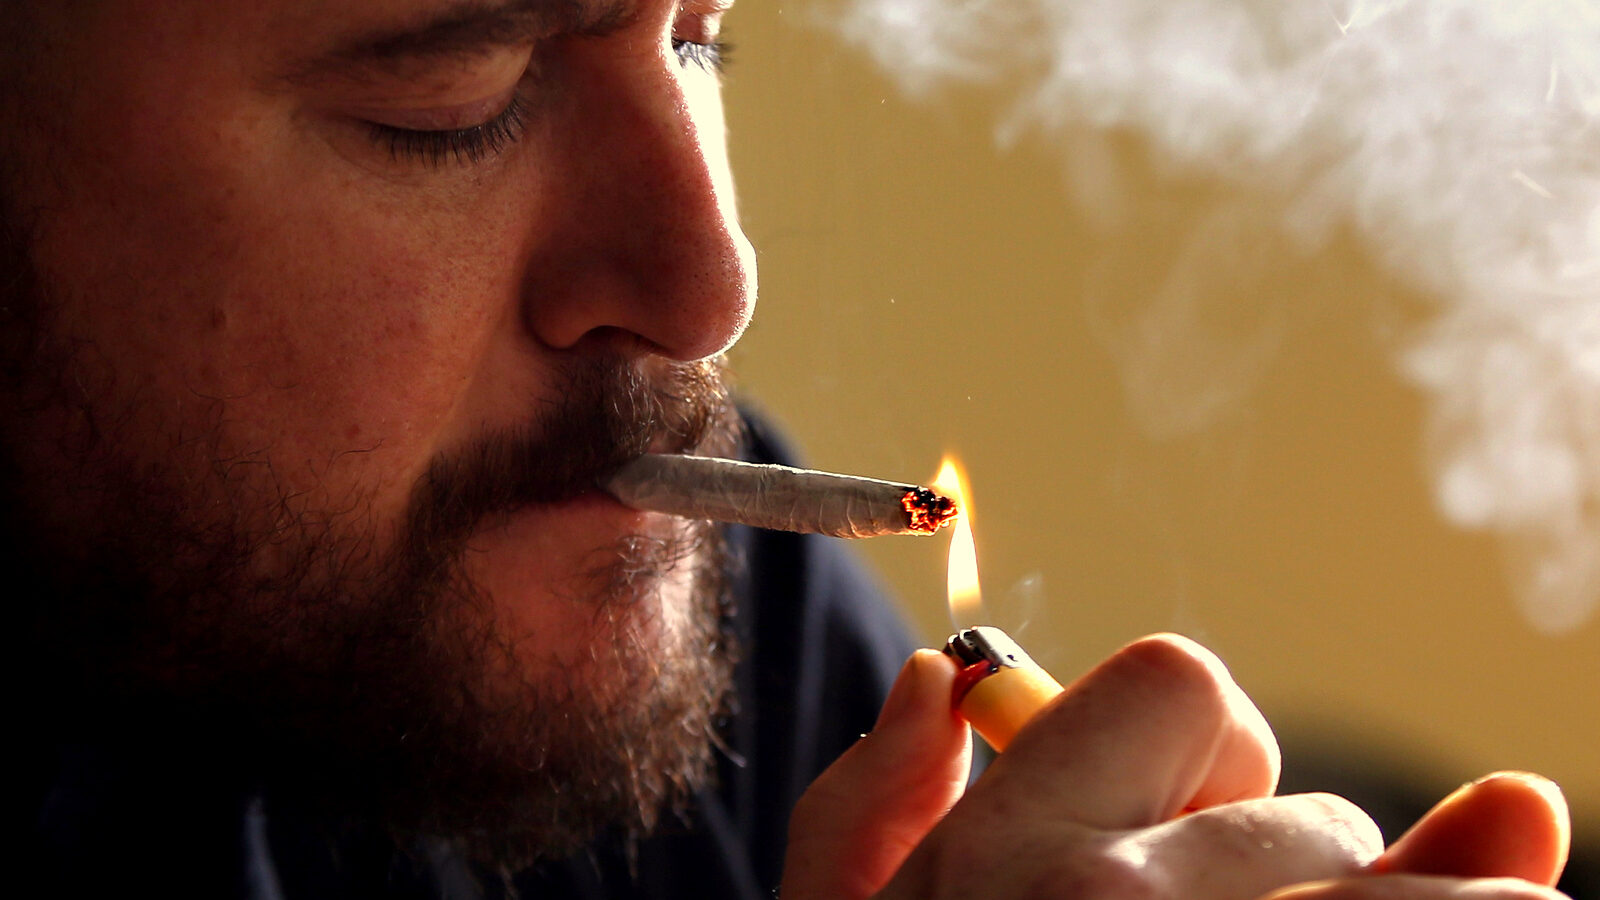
(463,146)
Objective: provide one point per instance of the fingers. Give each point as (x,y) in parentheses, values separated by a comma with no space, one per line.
(1510,824)
(1221,853)
(1243,849)
(855,825)
(1086,803)
(1504,837)
(1158,728)
(1418,887)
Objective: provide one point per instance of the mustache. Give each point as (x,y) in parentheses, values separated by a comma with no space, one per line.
(609,411)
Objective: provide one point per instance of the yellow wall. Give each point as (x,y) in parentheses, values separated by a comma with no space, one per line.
(1262,488)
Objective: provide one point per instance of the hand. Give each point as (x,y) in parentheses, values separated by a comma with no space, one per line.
(1152,776)
(1503,837)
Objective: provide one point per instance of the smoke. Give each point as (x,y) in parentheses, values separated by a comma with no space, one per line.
(1458,140)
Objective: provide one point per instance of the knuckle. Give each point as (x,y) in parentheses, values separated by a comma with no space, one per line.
(1176,663)
(1044,865)
(1226,831)
(1112,870)
(1325,829)
(1346,823)
(1239,835)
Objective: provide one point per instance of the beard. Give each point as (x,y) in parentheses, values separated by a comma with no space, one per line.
(353,676)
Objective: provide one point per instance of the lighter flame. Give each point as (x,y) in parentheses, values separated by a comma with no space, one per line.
(965,596)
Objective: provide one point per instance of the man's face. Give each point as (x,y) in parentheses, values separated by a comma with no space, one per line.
(336,311)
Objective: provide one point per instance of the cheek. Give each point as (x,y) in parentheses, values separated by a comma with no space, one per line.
(221,270)
(335,342)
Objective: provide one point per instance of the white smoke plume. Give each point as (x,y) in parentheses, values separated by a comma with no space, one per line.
(1458,139)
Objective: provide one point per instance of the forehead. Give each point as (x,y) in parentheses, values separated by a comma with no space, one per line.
(290,32)
(398,27)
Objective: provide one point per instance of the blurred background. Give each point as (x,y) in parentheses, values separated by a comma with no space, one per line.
(1200,366)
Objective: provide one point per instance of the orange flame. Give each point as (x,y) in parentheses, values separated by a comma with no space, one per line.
(965,596)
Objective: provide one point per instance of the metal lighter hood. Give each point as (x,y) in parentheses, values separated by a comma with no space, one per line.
(985,643)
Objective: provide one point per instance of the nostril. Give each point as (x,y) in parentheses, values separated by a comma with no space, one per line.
(611,341)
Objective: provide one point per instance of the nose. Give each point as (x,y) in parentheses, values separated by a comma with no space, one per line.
(647,244)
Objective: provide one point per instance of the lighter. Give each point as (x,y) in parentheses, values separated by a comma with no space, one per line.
(999,687)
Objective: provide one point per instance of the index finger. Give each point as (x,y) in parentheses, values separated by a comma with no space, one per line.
(1158,728)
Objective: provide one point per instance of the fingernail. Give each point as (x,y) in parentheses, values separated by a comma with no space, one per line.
(1460,792)
(1541,785)
(1544,787)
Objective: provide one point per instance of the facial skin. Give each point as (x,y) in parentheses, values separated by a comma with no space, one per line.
(306,393)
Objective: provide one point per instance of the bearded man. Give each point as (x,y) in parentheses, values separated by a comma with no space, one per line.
(322,320)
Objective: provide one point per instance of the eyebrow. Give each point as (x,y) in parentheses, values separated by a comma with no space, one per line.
(466,29)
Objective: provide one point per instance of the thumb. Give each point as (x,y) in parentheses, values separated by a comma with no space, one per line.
(1510,824)
(855,825)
